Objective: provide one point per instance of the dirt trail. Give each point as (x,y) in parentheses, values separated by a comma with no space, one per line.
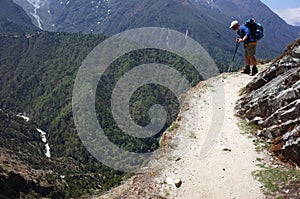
(225,172)
(208,153)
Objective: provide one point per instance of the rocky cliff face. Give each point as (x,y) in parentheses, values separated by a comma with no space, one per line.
(272,101)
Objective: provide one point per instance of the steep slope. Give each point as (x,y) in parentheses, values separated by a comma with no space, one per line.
(110,17)
(37,71)
(37,77)
(269,102)
(65,15)
(278,32)
(14,19)
(25,171)
(205,21)
(209,157)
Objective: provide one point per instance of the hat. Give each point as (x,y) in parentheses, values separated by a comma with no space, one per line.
(233,23)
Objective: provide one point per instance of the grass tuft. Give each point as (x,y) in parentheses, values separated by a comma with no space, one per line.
(242,91)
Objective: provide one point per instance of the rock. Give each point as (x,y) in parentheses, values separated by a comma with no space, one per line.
(256,120)
(169,180)
(296,52)
(177,159)
(261,186)
(227,149)
(272,101)
(286,191)
(178,119)
(178,182)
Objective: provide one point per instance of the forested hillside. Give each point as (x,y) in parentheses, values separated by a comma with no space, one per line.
(38,73)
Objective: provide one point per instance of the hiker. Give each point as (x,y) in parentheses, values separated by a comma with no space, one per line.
(249,45)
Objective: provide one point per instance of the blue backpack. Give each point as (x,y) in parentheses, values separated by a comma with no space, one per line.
(256,29)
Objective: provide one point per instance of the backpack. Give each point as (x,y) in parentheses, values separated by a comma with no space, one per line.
(255,28)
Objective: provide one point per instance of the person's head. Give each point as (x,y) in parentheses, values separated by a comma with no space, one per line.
(234,25)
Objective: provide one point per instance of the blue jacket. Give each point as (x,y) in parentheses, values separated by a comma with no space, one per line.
(244,30)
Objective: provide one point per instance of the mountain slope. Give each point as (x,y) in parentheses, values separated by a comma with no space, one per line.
(25,171)
(208,157)
(277,32)
(237,162)
(37,77)
(205,21)
(13,18)
(37,72)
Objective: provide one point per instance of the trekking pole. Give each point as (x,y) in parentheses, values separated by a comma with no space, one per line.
(237,44)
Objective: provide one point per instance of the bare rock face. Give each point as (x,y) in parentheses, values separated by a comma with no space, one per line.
(272,101)
(17,179)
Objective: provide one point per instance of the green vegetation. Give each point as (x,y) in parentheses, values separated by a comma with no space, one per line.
(247,128)
(193,135)
(250,129)
(9,28)
(242,91)
(276,180)
(174,126)
(37,77)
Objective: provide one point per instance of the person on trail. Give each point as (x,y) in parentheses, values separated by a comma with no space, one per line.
(249,45)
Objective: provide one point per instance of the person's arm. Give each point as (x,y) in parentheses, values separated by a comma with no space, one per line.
(242,39)
(247,33)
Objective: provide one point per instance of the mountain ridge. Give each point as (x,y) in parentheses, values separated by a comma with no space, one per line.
(37,74)
(205,21)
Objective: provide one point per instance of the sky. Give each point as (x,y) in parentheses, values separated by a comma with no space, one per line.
(289,10)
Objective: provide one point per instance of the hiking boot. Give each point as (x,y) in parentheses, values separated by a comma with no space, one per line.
(254,71)
(246,70)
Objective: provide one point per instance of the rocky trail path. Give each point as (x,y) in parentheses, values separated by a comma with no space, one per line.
(207,154)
